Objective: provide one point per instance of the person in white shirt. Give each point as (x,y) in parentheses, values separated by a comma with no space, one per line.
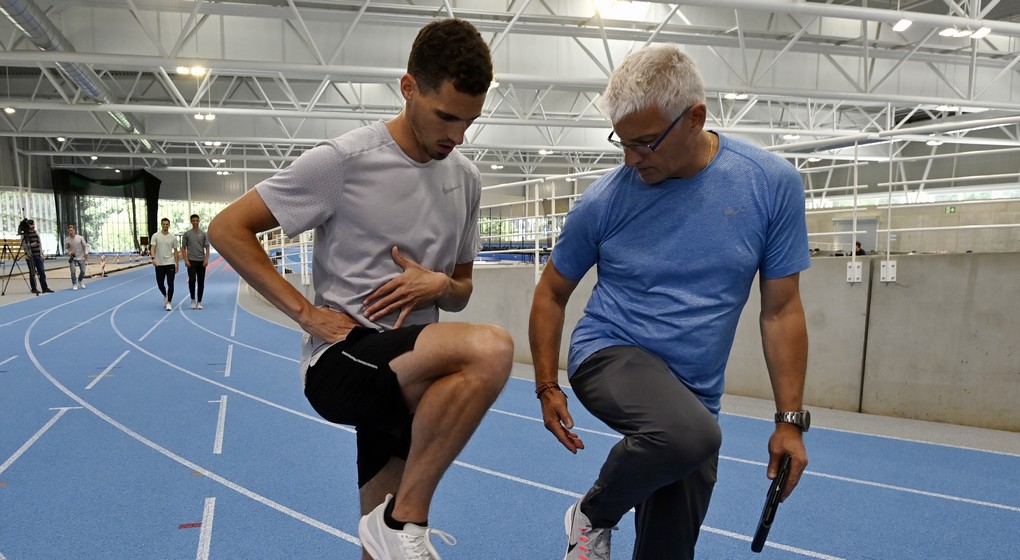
(78,253)
(163,246)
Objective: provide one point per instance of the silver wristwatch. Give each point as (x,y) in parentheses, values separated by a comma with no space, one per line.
(800,418)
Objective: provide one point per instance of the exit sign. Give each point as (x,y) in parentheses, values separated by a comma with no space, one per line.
(950,209)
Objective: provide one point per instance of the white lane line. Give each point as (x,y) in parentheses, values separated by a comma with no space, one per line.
(9,323)
(883,436)
(8,360)
(107,370)
(787,548)
(81,324)
(76,300)
(205,537)
(806,473)
(92,294)
(249,346)
(237,304)
(181,460)
(158,323)
(317,419)
(221,423)
(230,358)
(31,441)
(575,495)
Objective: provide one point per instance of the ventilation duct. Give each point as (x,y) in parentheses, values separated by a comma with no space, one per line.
(27,17)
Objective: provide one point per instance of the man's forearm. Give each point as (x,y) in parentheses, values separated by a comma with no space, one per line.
(244,253)
(785,343)
(457,295)
(545,330)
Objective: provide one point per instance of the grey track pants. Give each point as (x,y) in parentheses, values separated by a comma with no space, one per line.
(665,466)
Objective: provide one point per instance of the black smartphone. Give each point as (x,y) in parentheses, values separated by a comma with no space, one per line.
(768,513)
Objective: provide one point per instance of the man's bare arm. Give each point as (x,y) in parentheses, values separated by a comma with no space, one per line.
(233,232)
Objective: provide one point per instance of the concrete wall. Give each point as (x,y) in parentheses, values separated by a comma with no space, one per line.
(981,240)
(942,343)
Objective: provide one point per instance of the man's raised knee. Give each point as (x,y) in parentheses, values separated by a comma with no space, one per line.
(495,346)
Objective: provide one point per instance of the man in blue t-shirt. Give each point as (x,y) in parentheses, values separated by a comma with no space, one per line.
(677,234)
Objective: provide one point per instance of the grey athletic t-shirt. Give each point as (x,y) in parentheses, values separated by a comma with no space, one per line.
(362,194)
(194,242)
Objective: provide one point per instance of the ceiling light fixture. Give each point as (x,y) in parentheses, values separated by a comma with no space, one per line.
(93,157)
(981,33)
(545,152)
(934,142)
(496,166)
(948,32)
(61,139)
(902,25)
(735,96)
(791,136)
(9,110)
(191,70)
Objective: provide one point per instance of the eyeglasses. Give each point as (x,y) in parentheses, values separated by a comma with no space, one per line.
(645,149)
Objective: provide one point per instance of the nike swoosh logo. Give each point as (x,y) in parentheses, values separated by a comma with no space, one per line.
(571,547)
(447,189)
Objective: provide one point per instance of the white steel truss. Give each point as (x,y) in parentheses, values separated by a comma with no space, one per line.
(806,79)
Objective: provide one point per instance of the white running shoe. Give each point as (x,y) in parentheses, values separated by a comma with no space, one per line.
(583,541)
(194,304)
(383,543)
(199,305)
(74,286)
(82,284)
(169,307)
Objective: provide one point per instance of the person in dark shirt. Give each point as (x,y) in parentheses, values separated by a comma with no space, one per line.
(858,250)
(33,254)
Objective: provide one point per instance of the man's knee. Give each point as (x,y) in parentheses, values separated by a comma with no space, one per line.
(686,445)
(492,349)
(497,343)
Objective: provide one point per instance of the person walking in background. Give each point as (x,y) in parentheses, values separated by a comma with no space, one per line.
(33,254)
(78,256)
(375,355)
(195,246)
(163,248)
(649,355)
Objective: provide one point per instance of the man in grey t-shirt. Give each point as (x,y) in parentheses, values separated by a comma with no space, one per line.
(195,244)
(394,207)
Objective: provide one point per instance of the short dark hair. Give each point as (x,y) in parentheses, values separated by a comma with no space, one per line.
(451,49)
(31,222)
(167,220)
(194,216)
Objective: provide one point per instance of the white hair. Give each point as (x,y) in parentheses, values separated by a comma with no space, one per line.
(659,75)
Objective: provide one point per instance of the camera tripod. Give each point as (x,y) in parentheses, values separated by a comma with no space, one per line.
(13,249)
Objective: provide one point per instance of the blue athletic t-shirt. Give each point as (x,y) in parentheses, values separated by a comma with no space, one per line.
(676,260)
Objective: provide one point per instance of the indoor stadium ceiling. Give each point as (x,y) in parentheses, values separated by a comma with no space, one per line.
(95,83)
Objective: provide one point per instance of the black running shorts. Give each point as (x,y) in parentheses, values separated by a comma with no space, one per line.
(352,383)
